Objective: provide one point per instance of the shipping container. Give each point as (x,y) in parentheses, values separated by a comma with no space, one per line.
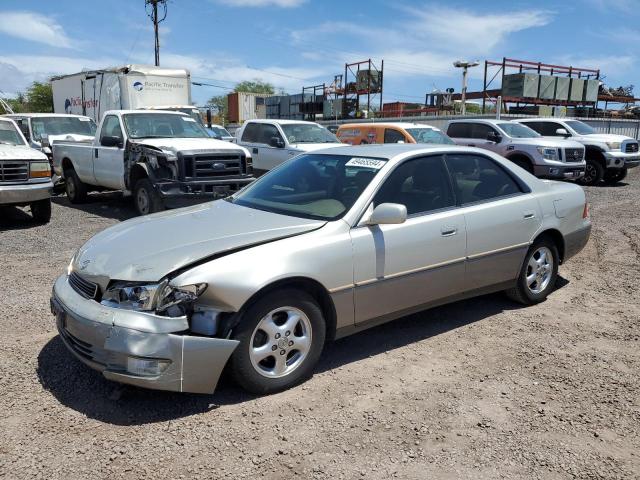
(244,106)
(520,85)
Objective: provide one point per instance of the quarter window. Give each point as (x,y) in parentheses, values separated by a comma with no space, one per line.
(477,178)
(393,136)
(421,184)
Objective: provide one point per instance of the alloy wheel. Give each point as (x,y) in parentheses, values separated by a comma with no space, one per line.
(590,174)
(539,270)
(142,199)
(280,342)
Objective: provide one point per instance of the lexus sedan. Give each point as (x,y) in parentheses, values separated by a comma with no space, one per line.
(326,245)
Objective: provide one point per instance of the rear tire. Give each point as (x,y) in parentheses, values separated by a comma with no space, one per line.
(538,274)
(615,175)
(41,210)
(75,189)
(281,339)
(593,173)
(145,198)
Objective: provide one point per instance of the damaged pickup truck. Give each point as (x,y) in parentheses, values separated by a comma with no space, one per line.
(163,159)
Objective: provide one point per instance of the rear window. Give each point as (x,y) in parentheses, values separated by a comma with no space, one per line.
(459,130)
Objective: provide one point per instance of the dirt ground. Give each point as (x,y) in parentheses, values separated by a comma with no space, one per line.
(478,389)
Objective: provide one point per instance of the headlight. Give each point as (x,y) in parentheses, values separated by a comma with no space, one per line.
(159,297)
(39,170)
(549,153)
(613,145)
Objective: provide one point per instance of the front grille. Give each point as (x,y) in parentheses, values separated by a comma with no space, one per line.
(631,147)
(84,287)
(574,154)
(209,166)
(12,171)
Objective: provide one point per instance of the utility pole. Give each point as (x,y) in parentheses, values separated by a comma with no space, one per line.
(151,7)
(465,66)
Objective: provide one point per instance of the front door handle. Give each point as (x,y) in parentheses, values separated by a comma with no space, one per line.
(96,154)
(448,230)
(255,150)
(529,215)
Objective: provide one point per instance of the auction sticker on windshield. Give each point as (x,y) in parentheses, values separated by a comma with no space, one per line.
(374,163)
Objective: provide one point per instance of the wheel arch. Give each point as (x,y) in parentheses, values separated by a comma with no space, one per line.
(308,285)
(556,237)
(593,152)
(138,171)
(66,164)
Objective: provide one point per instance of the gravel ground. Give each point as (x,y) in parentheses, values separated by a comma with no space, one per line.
(477,389)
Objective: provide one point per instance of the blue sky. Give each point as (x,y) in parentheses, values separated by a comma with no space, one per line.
(292,43)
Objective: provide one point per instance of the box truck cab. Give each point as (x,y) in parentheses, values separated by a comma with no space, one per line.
(391,132)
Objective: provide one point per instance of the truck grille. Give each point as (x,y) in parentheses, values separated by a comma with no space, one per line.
(574,154)
(84,287)
(631,147)
(12,171)
(207,166)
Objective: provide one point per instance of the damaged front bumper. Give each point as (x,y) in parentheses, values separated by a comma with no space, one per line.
(138,348)
(176,193)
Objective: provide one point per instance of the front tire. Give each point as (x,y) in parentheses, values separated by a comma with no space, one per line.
(74,187)
(281,339)
(538,275)
(615,175)
(593,173)
(41,210)
(145,198)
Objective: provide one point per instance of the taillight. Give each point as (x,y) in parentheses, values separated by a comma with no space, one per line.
(585,211)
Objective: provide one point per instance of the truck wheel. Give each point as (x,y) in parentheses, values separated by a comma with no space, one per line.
(281,338)
(524,164)
(75,189)
(41,210)
(593,173)
(145,198)
(615,175)
(537,277)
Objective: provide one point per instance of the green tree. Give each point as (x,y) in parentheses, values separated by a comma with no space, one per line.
(39,97)
(255,86)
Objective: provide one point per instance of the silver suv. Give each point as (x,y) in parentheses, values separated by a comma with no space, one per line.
(543,157)
(608,156)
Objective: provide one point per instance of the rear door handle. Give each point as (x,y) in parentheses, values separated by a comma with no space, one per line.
(529,215)
(96,154)
(255,150)
(448,231)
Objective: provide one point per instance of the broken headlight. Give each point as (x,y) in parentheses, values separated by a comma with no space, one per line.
(159,297)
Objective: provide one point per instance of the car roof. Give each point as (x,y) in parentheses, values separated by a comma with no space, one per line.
(142,112)
(23,115)
(541,119)
(388,124)
(390,150)
(278,121)
(490,121)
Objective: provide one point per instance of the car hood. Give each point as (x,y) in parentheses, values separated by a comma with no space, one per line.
(604,137)
(20,152)
(189,144)
(150,247)
(552,142)
(312,147)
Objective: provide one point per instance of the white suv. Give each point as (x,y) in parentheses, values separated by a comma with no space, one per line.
(271,142)
(608,156)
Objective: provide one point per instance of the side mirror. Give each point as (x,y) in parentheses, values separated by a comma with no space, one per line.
(109,141)
(563,132)
(387,214)
(44,142)
(494,137)
(276,142)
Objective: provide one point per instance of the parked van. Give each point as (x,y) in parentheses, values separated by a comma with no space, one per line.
(394,132)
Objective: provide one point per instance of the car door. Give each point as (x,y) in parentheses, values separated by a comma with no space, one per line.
(249,140)
(501,218)
(271,156)
(391,135)
(108,161)
(405,266)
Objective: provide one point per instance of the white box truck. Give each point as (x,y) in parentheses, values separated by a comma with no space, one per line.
(130,87)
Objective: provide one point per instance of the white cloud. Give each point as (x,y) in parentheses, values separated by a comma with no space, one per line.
(262,3)
(34,27)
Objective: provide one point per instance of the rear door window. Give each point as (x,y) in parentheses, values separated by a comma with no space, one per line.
(477,178)
(459,130)
(251,133)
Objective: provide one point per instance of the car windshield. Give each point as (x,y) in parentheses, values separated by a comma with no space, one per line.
(429,135)
(308,133)
(45,126)
(219,132)
(517,130)
(9,134)
(580,128)
(162,125)
(316,186)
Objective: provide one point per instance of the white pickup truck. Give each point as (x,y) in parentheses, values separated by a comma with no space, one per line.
(165,159)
